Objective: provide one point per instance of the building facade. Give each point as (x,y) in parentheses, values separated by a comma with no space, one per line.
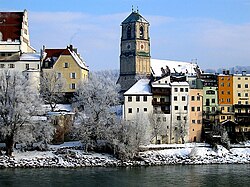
(67,64)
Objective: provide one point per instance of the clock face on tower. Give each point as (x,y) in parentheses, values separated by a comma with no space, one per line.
(142,46)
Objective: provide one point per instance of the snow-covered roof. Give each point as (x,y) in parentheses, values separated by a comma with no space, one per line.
(30,57)
(134,17)
(155,85)
(141,87)
(179,84)
(78,60)
(181,67)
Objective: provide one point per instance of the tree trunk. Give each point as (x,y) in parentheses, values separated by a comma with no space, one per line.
(9,143)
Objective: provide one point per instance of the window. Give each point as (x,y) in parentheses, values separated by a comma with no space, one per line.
(66,65)
(228,117)
(228,84)
(222,108)
(193,109)
(246,102)
(59,75)
(145,98)
(239,94)
(2,54)
(9,54)
(145,109)
(73,86)
(141,32)
(72,75)
(193,121)
(2,65)
(27,66)
(228,100)
(228,92)
(130,110)
(192,98)
(38,66)
(186,89)
(199,121)
(181,89)
(222,78)
(129,32)
(11,65)
(176,89)
(137,98)
(238,78)
(222,84)
(213,100)
(222,117)
(228,109)
(213,109)
(176,107)
(185,107)
(129,98)
(198,97)
(138,110)
(183,98)
(239,85)
(175,98)
(164,119)
(222,92)
(246,78)
(246,94)
(246,85)
(198,108)
(239,102)
(178,117)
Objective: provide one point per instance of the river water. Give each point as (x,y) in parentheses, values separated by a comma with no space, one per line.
(191,176)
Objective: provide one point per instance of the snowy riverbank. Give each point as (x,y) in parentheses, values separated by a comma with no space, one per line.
(65,156)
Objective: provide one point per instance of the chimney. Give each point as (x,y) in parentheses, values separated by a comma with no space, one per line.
(227,72)
(244,73)
(224,71)
(71,47)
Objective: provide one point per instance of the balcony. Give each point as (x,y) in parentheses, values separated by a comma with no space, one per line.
(161,91)
(161,103)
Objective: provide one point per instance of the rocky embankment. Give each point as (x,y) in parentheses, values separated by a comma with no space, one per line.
(69,158)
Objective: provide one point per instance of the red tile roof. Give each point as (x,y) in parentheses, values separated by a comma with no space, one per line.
(11,25)
(56,52)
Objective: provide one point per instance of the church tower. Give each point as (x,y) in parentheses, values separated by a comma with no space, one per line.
(135,50)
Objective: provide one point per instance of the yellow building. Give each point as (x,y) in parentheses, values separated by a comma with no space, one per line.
(195,123)
(241,101)
(67,64)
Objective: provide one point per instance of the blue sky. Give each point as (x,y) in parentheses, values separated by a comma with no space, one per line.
(215,32)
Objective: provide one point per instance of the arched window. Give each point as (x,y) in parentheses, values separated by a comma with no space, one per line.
(210,92)
(129,32)
(141,32)
(1,36)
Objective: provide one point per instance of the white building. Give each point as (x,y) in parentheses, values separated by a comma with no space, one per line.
(179,112)
(138,100)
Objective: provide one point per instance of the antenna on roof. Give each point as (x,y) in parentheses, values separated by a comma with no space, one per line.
(132,8)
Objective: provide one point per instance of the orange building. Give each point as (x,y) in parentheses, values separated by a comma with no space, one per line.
(225,96)
(195,123)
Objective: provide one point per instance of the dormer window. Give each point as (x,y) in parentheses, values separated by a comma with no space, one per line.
(128,32)
(66,65)
(141,32)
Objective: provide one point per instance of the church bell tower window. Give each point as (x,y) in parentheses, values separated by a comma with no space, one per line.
(128,32)
(141,32)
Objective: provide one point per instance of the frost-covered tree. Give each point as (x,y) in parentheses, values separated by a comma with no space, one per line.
(95,100)
(157,125)
(18,103)
(51,88)
(130,135)
(181,129)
